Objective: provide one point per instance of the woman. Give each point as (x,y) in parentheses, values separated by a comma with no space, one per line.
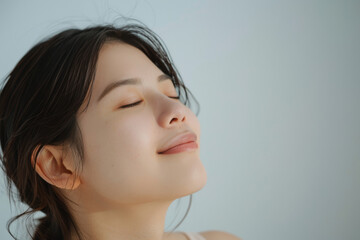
(96,134)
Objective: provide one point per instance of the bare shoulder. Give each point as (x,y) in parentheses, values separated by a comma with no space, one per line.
(219,235)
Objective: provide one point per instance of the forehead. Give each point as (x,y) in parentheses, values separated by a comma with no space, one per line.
(118,60)
(122,60)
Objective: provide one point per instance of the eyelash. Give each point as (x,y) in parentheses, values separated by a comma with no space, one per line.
(138,102)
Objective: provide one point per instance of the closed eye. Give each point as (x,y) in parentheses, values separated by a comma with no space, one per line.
(138,102)
(177,97)
(131,104)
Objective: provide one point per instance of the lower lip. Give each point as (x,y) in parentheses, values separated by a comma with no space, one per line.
(181,148)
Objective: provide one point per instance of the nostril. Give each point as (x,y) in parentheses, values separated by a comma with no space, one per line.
(173,120)
(176,119)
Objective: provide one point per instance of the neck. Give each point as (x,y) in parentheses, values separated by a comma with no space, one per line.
(139,222)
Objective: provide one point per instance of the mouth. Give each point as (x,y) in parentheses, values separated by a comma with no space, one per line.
(181,148)
(180,143)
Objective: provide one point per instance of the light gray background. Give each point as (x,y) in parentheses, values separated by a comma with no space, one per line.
(279,88)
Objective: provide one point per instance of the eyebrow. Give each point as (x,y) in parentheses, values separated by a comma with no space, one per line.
(129,81)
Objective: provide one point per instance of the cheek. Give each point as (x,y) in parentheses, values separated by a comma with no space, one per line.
(131,134)
(113,164)
(120,136)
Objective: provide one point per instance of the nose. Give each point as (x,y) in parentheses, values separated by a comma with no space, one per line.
(173,118)
(170,112)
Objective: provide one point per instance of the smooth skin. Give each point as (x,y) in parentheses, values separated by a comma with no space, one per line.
(124,187)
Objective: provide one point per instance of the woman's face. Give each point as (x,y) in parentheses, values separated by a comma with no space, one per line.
(122,163)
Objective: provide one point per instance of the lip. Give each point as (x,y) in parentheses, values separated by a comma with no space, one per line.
(180,143)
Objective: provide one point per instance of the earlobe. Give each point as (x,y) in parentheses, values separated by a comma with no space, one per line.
(53,165)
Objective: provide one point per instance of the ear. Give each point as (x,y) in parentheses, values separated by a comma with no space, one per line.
(56,167)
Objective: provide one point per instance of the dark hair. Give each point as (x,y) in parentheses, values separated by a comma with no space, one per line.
(39,103)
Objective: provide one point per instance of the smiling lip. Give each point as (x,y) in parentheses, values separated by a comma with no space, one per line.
(180,143)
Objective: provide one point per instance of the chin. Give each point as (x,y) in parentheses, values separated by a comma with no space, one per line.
(183,176)
(194,183)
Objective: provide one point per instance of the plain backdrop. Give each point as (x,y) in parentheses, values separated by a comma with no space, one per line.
(279,88)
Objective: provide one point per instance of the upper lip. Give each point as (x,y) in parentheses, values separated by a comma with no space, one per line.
(178,140)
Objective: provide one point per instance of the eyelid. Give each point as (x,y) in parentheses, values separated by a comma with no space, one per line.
(177,97)
(131,104)
(140,101)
